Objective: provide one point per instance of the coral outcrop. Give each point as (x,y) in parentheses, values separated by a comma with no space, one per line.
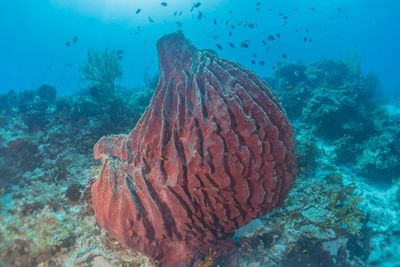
(213,151)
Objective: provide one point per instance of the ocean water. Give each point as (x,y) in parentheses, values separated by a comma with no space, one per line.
(74,71)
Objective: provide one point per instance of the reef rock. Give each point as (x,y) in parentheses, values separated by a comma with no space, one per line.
(213,151)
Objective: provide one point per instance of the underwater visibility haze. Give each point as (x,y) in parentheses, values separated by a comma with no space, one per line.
(199,133)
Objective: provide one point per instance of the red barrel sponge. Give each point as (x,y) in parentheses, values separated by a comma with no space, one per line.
(213,151)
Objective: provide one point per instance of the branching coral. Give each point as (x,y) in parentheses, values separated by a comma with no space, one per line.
(101,71)
(344,205)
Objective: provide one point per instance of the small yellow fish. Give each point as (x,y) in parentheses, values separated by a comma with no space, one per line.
(304,251)
(216,189)
(139,124)
(289,86)
(96,167)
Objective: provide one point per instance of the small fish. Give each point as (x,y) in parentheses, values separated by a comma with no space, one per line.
(258,4)
(289,86)
(120,52)
(227,22)
(180,13)
(67,44)
(68,65)
(230,11)
(261,63)
(139,124)
(164,3)
(215,22)
(151,20)
(254,55)
(244,45)
(306,31)
(270,38)
(230,33)
(75,39)
(253,62)
(176,12)
(278,35)
(232,27)
(273,67)
(263,41)
(195,5)
(284,55)
(285,17)
(305,39)
(179,24)
(250,25)
(138,11)
(304,251)
(200,15)
(257,9)
(215,37)
(296,73)
(310,40)
(232,45)
(216,189)
(347,16)
(219,46)
(96,167)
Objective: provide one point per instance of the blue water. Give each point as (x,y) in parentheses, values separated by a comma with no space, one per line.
(33,35)
(346,124)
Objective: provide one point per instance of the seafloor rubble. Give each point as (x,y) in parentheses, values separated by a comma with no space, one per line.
(342,211)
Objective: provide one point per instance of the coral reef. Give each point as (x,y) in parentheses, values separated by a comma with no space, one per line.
(212,152)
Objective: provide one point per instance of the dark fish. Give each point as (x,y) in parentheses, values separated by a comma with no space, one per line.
(176,12)
(244,45)
(215,22)
(67,44)
(261,63)
(347,16)
(310,40)
(180,13)
(164,3)
(75,39)
(306,30)
(258,4)
(151,20)
(278,35)
(230,11)
(200,15)
(215,37)
(280,14)
(195,5)
(285,17)
(263,41)
(247,41)
(269,9)
(253,62)
(296,9)
(232,27)
(120,52)
(227,22)
(257,9)
(270,38)
(230,33)
(138,11)
(251,25)
(339,9)
(179,24)
(305,39)
(219,46)
(240,23)
(232,45)
(284,55)
(68,65)
(273,66)
(254,55)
